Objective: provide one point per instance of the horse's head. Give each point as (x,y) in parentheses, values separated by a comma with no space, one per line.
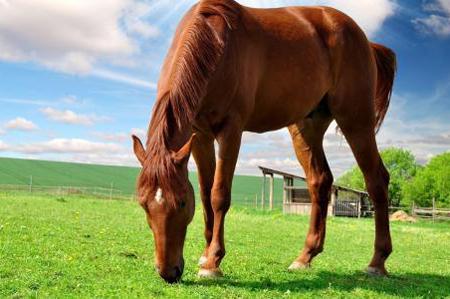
(167,197)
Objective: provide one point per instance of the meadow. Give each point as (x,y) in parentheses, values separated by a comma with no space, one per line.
(246,189)
(54,247)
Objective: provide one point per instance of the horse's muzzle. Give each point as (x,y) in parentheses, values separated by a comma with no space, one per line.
(172,274)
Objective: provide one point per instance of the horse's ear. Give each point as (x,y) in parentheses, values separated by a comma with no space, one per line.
(182,156)
(138,148)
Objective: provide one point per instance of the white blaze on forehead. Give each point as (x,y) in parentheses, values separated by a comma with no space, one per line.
(158,196)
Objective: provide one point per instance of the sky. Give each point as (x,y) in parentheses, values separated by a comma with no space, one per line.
(77,78)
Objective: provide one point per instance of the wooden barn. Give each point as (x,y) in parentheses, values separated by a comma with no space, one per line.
(296,200)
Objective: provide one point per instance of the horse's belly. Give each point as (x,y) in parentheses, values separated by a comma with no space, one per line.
(279,105)
(291,87)
(278,115)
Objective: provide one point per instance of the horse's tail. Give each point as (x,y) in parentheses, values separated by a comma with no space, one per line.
(386,69)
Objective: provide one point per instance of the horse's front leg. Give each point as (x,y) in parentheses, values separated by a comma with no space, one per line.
(229,141)
(205,158)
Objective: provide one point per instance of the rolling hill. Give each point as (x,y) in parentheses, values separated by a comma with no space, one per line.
(50,173)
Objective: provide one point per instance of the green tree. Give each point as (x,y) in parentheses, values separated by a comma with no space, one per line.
(432,181)
(402,167)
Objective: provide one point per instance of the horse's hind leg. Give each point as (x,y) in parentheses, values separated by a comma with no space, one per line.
(358,128)
(307,137)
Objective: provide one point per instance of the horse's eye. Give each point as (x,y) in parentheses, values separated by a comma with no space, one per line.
(182,204)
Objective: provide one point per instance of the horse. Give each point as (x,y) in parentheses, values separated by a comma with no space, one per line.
(232,69)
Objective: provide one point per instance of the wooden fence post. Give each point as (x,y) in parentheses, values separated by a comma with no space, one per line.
(359,208)
(263,194)
(271,192)
(434,209)
(334,192)
(111,191)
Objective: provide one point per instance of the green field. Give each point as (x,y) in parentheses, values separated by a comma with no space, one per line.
(81,247)
(48,173)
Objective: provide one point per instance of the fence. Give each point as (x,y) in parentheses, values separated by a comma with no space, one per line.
(432,213)
(348,208)
(241,200)
(98,192)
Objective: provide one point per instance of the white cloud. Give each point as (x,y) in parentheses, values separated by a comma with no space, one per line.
(434,24)
(25,102)
(67,100)
(120,136)
(20,124)
(2,132)
(71,36)
(424,137)
(111,137)
(275,150)
(123,78)
(69,146)
(94,37)
(125,159)
(141,133)
(70,117)
(369,14)
(3,146)
(438,21)
(71,100)
(134,24)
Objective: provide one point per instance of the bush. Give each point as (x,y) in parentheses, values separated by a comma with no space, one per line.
(402,167)
(432,181)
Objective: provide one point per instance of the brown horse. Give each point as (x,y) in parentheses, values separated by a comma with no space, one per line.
(232,69)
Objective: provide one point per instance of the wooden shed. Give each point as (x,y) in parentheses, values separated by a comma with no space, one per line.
(296,199)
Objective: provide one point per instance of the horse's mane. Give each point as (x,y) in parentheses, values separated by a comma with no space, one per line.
(196,57)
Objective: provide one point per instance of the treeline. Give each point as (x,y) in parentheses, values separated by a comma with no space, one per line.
(410,182)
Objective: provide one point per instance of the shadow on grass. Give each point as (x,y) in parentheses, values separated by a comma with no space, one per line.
(408,284)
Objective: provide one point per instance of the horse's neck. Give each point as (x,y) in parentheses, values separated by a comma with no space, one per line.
(180,137)
(163,133)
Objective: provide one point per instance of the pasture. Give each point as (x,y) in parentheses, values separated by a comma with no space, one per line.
(54,247)
(123,179)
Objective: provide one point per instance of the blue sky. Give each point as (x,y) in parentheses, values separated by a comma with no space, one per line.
(78,77)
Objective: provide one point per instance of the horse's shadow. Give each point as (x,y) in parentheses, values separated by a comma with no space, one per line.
(405,285)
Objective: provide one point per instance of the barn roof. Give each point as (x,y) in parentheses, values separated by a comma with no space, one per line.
(271,171)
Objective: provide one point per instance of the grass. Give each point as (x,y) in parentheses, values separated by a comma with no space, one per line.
(49,173)
(81,247)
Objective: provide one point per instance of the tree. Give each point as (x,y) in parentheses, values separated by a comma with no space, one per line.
(402,167)
(432,181)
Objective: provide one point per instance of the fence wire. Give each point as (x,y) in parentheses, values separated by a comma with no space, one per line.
(238,200)
(98,192)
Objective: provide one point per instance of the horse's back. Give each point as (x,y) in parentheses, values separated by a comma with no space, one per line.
(299,50)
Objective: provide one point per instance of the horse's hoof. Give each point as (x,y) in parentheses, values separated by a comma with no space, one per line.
(202,260)
(210,273)
(296,266)
(376,272)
